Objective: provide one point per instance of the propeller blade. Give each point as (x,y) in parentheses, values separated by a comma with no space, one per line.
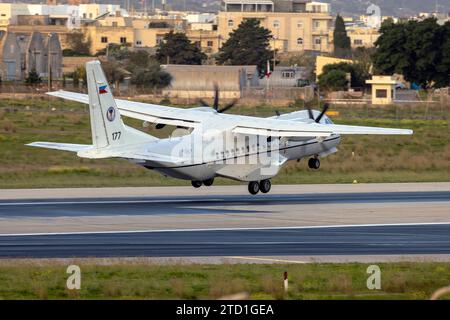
(326,106)
(204,103)
(310,113)
(228,106)
(216,97)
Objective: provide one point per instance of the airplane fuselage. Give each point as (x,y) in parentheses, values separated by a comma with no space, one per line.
(243,159)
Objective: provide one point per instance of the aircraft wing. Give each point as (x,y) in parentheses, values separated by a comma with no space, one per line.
(283,127)
(143,111)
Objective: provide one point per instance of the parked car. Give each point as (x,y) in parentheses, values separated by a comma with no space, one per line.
(303,83)
(400,86)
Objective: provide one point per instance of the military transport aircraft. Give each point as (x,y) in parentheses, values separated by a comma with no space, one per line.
(207,143)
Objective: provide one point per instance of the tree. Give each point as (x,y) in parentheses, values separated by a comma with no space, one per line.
(176,48)
(114,72)
(78,45)
(357,72)
(33,77)
(415,49)
(341,41)
(79,74)
(443,66)
(247,45)
(334,80)
(152,76)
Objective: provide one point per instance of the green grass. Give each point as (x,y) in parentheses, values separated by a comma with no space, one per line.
(421,158)
(36,280)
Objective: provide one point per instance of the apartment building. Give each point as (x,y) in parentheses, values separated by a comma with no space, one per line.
(70,16)
(363,36)
(296,25)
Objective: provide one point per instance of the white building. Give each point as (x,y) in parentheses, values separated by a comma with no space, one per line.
(69,15)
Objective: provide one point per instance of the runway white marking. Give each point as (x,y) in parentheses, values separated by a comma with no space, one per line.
(226,229)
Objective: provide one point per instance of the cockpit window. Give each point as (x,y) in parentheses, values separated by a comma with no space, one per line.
(328,121)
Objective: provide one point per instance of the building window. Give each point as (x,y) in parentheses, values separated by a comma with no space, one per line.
(159,39)
(300,24)
(139,42)
(288,74)
(318,41)
(230,23)
(104,39)
(316,24)
(276,24)
(210,43)
(300,41)
(90,15)
(358,42)
(381,93)
(114,24)
(123,40)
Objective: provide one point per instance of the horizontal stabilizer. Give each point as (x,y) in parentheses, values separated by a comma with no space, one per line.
(60,146)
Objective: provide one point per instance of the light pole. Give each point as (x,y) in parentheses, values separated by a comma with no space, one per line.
(49,63)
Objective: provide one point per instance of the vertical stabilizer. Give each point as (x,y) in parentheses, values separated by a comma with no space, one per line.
(107,127)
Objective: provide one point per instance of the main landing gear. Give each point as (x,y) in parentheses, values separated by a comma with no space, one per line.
(198,184)
(314,163)
(264,186)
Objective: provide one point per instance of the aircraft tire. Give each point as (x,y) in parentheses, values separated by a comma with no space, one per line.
(265,185)
(253,187)
(196,184)
(314,163)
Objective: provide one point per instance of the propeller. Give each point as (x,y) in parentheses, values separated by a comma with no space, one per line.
(215,105)
(326,106)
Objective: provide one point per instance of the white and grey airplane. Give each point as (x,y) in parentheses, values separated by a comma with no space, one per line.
(207,143)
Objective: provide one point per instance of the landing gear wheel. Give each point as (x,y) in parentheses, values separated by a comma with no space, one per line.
(196,184)
(208,182)
(265,185)
(314,163)
(253,187)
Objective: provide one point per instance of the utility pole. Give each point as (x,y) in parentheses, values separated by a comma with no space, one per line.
(49,63)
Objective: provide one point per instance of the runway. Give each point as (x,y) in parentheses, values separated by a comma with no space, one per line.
(357,240)
(176,222)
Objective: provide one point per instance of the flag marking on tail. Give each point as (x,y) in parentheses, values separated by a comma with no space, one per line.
(102,89)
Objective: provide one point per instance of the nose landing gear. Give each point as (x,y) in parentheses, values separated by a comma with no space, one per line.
(314,163)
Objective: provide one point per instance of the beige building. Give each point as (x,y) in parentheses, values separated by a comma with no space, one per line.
(322,61)
(383,89)
(296,25)
(193,82)
(363,37)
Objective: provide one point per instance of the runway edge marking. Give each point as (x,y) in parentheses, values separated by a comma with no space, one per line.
(226,229)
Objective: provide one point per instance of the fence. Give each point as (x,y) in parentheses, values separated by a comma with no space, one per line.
(278,93)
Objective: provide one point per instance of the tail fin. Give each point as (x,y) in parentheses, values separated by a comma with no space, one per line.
(107,127)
